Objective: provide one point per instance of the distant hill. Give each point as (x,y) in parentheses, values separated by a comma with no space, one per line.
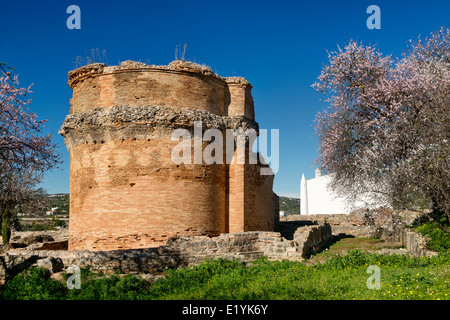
(61,201)
(290,205)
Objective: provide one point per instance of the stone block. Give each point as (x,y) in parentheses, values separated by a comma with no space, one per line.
(51,263)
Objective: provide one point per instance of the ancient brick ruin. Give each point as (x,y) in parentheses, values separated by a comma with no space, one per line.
(298,238)
(125,190)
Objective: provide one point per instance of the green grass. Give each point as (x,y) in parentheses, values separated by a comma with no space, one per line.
(338,273)
(340,277)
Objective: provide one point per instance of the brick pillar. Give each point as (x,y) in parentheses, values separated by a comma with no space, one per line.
(236,214)
(241,101)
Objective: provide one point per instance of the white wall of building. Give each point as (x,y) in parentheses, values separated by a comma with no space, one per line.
(318,198)
(321,200)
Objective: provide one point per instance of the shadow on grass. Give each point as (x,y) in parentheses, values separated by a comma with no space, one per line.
(334,239)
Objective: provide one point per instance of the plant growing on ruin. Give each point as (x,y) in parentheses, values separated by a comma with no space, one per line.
(178,51)
(94,56)
(387,127)
(25,152)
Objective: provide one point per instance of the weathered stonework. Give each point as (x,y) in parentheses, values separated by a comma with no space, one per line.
(416,244)
(177,252)
(102,125)
(306,239)
(382,223)
(125,190)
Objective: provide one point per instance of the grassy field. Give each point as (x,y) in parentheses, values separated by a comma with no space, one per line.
(338,278)
(331,276)
(344,245)
(342,271)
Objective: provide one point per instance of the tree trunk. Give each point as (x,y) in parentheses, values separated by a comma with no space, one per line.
(1,219)
(435,215)
(6,226)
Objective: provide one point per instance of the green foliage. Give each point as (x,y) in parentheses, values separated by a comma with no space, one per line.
(43,224)
(95,287)
(290,205)
(61,201)
(340,277)
(6,226)
(358,259)
(58,222)
(439,239)
(34,284)
(35,226)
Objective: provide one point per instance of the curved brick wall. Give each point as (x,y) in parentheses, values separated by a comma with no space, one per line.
(126,192)
(149,87)
(129,194)
(135,84)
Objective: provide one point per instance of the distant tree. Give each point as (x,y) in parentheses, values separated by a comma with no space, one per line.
(25,153)
(387,127)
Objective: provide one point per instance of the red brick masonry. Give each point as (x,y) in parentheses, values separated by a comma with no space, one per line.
(125,190)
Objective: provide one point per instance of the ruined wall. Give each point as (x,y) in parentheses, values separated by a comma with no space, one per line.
(178,85)
(126,192)
(416,244)
(241,101)
(177,252)
(383,223)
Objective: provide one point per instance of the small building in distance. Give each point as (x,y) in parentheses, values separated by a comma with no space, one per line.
(52,211)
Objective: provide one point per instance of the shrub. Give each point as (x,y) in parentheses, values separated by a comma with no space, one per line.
(33,284)
(439,239)
(100,287)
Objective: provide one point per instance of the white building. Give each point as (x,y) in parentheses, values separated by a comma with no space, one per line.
(52,211)
(316,197)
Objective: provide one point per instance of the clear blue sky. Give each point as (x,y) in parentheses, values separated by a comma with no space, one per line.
(279,46)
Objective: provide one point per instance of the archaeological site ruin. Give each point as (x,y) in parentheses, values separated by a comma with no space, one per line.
(125,190)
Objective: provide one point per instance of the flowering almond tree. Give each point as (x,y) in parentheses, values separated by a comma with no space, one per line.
(387,128)
(25,153)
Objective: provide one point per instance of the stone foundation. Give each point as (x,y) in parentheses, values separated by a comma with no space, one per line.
(381,223)
(178,252)
(416,244)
